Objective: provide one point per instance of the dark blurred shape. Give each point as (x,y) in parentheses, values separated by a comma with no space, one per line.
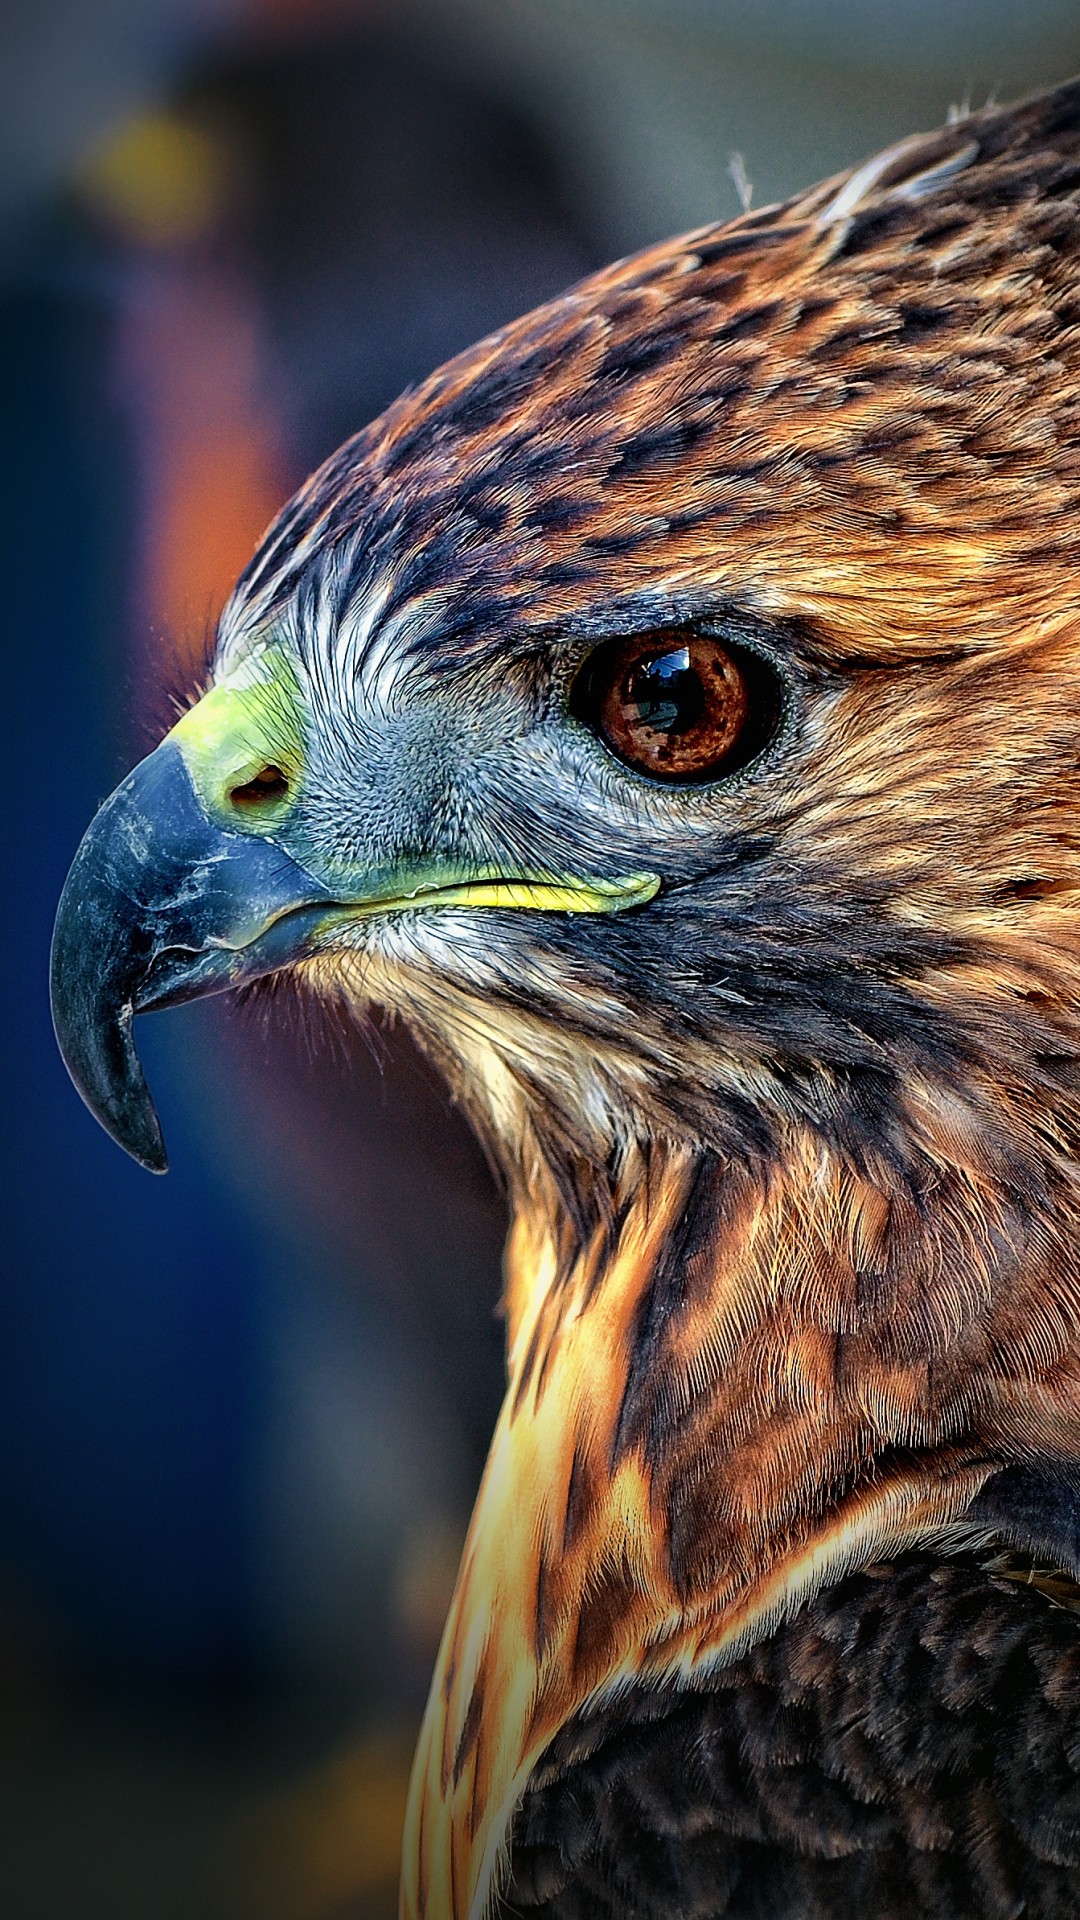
(327,1848)
(396,210)
(124,1420)
(68,69)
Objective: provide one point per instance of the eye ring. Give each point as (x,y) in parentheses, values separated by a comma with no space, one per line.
(680,706)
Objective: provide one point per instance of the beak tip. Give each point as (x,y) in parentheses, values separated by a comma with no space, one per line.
(148,1149)
(124,1110)
(156,1160)
(98,1050)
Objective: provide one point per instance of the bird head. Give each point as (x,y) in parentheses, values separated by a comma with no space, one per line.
(670,708)
(667,705)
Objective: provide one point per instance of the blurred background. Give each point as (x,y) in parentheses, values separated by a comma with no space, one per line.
(243,1410)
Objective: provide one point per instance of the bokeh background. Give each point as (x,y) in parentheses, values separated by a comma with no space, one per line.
(243,1410)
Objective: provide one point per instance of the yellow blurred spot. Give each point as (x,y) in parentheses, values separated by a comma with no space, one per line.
(330,1845)
(158,179)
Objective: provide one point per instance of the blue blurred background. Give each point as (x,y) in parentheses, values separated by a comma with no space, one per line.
(243,1410)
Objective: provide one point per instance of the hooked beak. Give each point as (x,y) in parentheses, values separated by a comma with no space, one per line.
(162,905)
(170,898)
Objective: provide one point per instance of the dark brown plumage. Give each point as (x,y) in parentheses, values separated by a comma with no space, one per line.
(908,1743)
(792,1137)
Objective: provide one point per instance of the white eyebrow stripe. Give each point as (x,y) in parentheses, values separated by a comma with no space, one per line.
(377,657)
(354,638)
(381,670)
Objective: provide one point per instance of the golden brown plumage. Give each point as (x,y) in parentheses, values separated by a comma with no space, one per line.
(865,422)
(793,1285)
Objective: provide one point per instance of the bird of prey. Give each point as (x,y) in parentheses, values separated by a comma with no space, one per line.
(671,708)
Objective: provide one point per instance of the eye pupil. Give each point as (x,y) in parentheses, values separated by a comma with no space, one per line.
(678,706)
(665,693)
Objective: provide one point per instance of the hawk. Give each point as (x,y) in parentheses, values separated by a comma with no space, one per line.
(671,708)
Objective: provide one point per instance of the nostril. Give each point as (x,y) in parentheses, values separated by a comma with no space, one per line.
(266,785)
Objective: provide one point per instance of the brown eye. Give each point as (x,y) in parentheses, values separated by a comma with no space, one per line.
(678,705)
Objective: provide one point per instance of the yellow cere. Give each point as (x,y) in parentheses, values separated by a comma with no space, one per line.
(237,731)
(247,728)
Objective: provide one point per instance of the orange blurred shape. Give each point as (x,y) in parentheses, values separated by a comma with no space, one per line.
(220,494)
(195,366)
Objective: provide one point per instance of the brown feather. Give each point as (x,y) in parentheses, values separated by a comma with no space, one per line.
(832,1360)
(758,1340)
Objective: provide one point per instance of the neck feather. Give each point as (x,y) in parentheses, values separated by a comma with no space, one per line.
(728,1384)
